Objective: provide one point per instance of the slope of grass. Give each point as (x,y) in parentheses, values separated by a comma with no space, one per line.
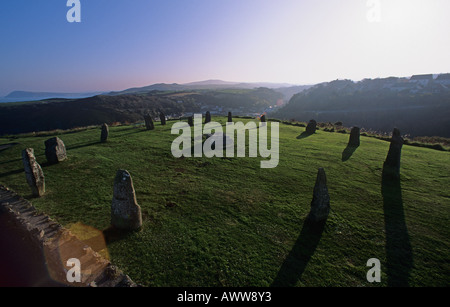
(227,222)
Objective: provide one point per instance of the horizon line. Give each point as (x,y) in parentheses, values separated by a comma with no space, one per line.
(224,82)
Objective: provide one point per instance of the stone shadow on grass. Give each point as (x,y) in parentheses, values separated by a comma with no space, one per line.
(76,146)
(12,161)
(348,152)
(304,248)
(18,171)
(133,130)
(304,135)
(399,255)
(7,146)
(113,234)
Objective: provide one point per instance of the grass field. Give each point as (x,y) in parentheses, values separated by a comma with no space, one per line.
(227,222)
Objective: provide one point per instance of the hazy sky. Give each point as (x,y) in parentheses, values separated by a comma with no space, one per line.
(121,44)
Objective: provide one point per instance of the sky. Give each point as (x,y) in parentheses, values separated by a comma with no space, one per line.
(121,43)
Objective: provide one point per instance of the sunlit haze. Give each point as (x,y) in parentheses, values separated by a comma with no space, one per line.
(121,44)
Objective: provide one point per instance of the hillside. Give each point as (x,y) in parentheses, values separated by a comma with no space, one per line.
(419,106)
(227,222)
(209,85)
(67,114)
(18,96)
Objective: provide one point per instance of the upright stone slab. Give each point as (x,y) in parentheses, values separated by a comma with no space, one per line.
(320,205)
(311,127)
(263,119)
(191,121)
(162,117)
(207,117)
(33,172)
(55,150)
(226,141)
(230,117)
(355,135)
(125,211)
(105,133)
(391,167)
(149,122)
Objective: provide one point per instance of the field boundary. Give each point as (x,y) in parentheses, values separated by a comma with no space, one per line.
(58,245)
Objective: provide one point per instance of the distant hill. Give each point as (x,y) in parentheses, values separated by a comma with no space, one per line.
(419,106)
(203,85)
(287,90)
(146,89)
(290,91)
(211,82)
(66,114)
(34,96)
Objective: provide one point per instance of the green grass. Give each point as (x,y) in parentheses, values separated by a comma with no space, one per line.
(227,222)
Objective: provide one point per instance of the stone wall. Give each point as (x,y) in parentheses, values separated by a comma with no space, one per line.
(59,245)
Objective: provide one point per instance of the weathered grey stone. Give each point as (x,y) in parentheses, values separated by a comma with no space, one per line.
(125,211)
(149,122)
(311,127)
(207,117)
(162,117)
(230,117)
(391,167)
(320,205)
(33,172)
(355,135)
(226,141)
(55,150)
(105,133)
(263,119)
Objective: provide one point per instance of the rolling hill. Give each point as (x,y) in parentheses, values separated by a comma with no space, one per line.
(18,96)
(419,106)
(65,114)
(208,85)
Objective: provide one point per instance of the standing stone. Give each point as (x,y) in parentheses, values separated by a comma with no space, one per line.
(149,122)
(226,141)
(33,172)
(311,127)
(230,117)
(125,211)
(105,133)
(391,167)
(162,117)
(207,117)
(320,205)
(191,121)
(354,140)
(55,150)
(263,118)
